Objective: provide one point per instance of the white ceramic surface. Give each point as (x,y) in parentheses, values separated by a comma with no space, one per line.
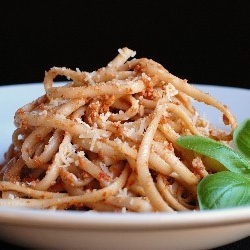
(77,230)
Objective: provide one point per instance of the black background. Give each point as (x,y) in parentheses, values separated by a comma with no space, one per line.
(205,42)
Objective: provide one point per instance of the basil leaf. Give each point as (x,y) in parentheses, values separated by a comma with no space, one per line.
(241,138)
(212,165)
(216,150)
(224,190)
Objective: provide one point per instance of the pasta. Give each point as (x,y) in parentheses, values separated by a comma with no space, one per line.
(106,141)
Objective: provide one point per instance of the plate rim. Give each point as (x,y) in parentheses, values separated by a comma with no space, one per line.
(119,221)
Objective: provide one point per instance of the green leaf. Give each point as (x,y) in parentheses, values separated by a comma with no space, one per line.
(224,190)
(216,150)
(212,164)
(241,138)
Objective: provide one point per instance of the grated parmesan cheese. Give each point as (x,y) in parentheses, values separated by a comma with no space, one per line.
(118,140)
(205,129)
(67,154)
(133,54)
(195,117)
(94,139)
(81,153)
(56,102)
(105,169)
(142,127)
(145,76)
(44,112)
(89,79)
(60,116)
(79,120)
(51,139)
(124,210)
(129,132)
(122,193)
(11,196)
(171,91)
(105,117)
(120,51)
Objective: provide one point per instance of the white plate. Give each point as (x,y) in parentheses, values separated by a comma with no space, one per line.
(77,230)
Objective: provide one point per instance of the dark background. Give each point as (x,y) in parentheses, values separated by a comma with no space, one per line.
(207,42)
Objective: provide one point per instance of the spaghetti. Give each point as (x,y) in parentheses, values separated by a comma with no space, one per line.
(105,141)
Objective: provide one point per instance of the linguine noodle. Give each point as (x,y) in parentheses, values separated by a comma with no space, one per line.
(106,141)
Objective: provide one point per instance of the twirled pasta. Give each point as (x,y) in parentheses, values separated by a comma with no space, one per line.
(105,141)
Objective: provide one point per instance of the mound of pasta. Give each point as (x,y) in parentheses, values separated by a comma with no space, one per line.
(106,141)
